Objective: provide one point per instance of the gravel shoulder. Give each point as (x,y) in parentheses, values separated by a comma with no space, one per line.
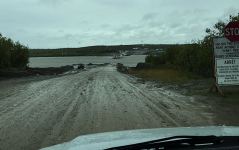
(40,112)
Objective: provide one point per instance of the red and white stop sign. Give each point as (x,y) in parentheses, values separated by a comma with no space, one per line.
(232,31)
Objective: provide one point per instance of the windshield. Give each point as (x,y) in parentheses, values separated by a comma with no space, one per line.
(77,67)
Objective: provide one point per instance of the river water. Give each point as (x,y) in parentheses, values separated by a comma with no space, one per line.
(43,62)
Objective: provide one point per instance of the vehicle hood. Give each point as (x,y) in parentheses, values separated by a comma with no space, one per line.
(113,139)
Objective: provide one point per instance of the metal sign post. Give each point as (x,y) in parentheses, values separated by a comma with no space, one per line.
(226,58)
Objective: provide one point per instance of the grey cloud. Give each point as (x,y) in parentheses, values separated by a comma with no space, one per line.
(105,26)
(54,2)
(117,3)
(149,16)
(61,23)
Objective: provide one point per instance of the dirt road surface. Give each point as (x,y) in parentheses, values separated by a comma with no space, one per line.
(40,113)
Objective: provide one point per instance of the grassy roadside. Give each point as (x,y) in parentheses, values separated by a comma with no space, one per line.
(171,78)
(164,74)
(186,83)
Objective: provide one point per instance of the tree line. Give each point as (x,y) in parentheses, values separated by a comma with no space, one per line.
(196,57)
(99,50)
(12,54)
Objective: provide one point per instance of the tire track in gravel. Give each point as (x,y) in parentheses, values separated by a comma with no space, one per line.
(48,112)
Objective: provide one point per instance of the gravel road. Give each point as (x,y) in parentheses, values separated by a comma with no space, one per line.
(40,113)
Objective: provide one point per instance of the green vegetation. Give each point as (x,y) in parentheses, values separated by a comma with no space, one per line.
(196,57)
(163,74)
(12,54)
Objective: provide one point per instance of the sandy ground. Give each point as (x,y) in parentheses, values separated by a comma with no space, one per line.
(36,113)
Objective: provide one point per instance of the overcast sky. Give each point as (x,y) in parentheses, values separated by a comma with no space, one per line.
(77,23)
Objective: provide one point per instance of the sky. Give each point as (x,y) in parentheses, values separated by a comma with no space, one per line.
(79,23)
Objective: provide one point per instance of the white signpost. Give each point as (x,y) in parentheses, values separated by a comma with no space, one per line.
(226,55)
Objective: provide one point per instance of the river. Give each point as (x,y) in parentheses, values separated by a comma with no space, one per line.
(44,62)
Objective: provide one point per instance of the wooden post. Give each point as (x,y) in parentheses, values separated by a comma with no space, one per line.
(215,84)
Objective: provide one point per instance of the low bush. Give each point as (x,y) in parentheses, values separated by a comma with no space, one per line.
(196,57)
(12,54)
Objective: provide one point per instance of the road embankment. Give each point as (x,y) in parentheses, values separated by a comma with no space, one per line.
(18,73)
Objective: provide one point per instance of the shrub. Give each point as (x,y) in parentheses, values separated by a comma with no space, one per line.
(156,59)
(12,54)
(196,57)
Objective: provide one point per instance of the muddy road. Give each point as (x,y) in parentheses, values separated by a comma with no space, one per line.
(40,113)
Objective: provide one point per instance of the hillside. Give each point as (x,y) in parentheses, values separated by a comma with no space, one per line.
(96,50)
